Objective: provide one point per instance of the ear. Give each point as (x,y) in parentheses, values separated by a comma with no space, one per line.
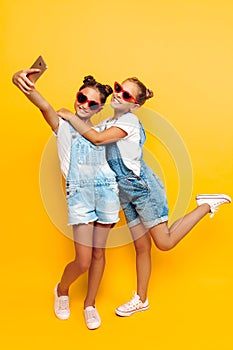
(135,107)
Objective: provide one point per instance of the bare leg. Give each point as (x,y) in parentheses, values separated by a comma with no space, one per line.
(83,253)
(166,238)
(143,259)
(96,269)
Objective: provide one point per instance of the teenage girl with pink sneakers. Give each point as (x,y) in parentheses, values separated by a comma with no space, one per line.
(91,190)
(141,192)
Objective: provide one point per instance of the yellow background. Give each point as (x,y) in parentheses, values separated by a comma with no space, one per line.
(183,51)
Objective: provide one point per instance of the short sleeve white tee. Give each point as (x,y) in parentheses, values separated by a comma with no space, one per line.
(64,138)
(129,146)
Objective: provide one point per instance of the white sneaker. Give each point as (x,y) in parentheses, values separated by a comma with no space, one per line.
(214,200)
(92,317)
(132,306)
(61,305)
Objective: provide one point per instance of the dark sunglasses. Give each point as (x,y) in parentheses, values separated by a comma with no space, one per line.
(125,94)
(81,98)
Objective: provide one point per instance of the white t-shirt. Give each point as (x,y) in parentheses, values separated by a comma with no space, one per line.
(129,146)
(64,137)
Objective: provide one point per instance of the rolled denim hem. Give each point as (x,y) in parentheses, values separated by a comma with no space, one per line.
(155,222)
(108,222)
(78,222)
(148,224)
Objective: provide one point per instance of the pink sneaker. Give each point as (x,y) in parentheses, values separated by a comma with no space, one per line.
(92,317)
(61,305)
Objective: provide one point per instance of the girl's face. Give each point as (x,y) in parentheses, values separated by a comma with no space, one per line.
(125,105)
(87,103)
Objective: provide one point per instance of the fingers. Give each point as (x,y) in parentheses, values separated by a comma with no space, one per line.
(61,114)
(21,80)
(25,85)
(64,113)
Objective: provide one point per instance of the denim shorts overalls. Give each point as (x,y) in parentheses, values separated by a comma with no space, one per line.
(91,187)
(143,197)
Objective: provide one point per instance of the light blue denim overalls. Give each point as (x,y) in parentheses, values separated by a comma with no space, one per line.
(91,187)
(143,197)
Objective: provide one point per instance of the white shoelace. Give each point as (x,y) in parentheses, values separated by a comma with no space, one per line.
(214,208)
(134,302)
(63,303)
(91,314)
(213,211)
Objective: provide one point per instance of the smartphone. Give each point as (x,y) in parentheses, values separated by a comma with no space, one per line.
(40,64)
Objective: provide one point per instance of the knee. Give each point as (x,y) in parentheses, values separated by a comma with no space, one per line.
(164,246)
(98,254)
(142,247)
(83,264)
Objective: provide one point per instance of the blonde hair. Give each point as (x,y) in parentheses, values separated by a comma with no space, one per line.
(143,93)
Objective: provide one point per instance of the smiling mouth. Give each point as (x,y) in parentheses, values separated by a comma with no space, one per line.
(84,110)
(116,100)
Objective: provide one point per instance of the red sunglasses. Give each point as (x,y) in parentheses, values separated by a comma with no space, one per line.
(125,94)
(93,105)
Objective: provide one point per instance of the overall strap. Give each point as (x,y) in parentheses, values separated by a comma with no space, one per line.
(142,136)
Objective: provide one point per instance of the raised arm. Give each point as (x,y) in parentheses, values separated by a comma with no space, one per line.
(20,79)
(110,135)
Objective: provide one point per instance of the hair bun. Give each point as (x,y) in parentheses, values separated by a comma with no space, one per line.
(149,93)
(103,90)
(89,79)
(108,90)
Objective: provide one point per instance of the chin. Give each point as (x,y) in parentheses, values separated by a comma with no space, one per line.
(82,115)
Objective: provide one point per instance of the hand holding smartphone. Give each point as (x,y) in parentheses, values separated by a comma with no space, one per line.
(38,64)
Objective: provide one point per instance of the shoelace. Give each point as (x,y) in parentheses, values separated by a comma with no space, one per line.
(135,301)
(212,212)
(63,304)
(91,314)
(214,208)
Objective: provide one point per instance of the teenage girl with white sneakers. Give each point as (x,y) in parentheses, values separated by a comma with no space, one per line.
(91,190)
(142,194)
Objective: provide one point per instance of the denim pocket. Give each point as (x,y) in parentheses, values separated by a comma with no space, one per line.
(159,182)
(133,185)
(137,182)
(114,188)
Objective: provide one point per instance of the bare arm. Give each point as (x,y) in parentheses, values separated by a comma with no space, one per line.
(21,80)
(110,135)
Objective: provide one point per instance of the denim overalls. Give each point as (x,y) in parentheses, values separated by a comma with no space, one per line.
(91,188)
(143,197)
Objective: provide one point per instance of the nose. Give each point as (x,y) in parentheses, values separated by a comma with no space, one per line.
(118,94)
(84,105)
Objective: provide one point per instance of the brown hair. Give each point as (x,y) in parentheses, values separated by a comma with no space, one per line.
(144,93)
(104,90)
